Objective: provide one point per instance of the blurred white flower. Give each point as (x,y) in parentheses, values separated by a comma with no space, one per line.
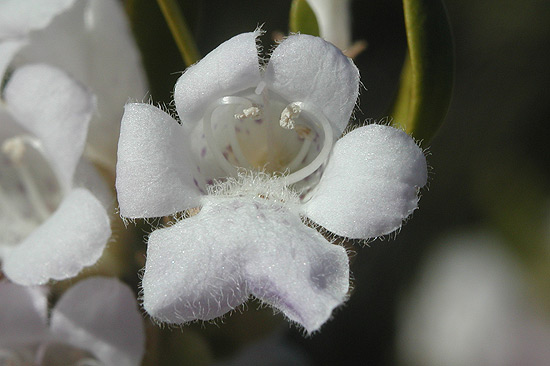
(249,162)
(470,307)
(334,20)
(51,225)
(88,39)
(95,323)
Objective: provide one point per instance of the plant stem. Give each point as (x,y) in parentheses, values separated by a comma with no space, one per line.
(180,31)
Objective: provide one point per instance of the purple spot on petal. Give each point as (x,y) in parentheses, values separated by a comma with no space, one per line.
(196,183)
(203,152)
(259,121)
(209,182)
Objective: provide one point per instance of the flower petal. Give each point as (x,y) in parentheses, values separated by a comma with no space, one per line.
(154,169)
(55,109)
(87,176)
(17,17)
(232,67)
(24,314)
(101,316)
(370,184)
(334,21)
(8,49)
(72,238)
(308,69)
(206,265)
(92,42)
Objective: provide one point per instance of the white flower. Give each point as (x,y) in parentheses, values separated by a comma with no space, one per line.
(264,136)
(88,39)
(334,20)
(470,307)
(96,322)
(51,225)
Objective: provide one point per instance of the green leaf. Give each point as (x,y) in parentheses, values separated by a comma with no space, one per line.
(160,55)
(428,72)
(302,18)
(180,31)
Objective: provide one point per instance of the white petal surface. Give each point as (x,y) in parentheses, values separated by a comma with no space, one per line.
(231,67)
(55,109)
(333,17)
(101,315)
(18,17)
(308,69)
(370,184)
(72,238)
(206,265)
(93,43)
(23,317)
(87,176)
(153,169)
(8,49)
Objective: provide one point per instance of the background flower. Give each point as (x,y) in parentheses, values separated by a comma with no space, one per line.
(95,319)
(91,41)
(53,225)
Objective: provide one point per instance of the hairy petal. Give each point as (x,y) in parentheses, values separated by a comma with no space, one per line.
(370,184)
(154,167)
(308,69)
(206,265)
(232,67)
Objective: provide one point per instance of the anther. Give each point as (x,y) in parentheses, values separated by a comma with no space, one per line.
(289,115)
(252,112)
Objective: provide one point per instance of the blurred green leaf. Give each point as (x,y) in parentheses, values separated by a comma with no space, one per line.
(159,53)
(180,31)
(302,18)
(428,72)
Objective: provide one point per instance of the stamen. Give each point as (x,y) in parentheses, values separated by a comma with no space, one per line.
(252,112)
(292,160)
(209,135)
(323,124)
(260,88)
(301,154)
(15,149)
(289,115)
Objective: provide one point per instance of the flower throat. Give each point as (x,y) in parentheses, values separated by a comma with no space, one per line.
(257,130)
